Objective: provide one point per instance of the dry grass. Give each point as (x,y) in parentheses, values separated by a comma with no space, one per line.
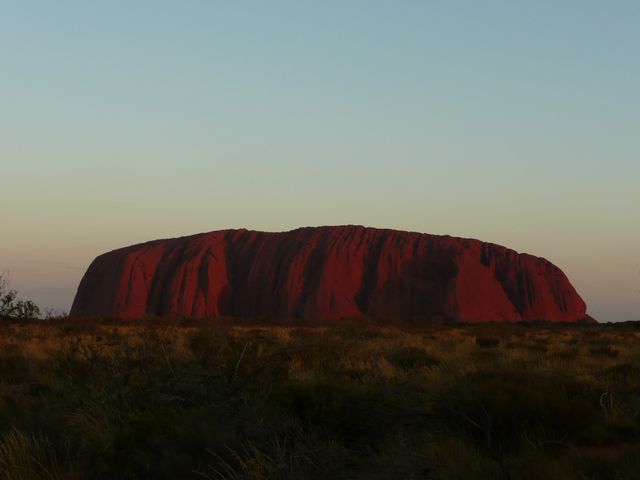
(164,399)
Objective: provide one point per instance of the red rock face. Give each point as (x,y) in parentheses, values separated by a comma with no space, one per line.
(327,273)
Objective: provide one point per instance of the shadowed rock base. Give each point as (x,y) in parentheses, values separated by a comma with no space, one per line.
(327,273)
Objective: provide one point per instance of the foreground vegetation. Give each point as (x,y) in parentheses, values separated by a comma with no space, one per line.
(156,400)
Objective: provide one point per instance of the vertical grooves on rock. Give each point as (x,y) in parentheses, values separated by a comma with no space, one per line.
(163,285)
(312,272)
(326,272)
(369,271)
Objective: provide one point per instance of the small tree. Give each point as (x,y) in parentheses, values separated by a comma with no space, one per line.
(11,307)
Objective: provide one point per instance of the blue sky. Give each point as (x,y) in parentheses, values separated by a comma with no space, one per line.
(512,122)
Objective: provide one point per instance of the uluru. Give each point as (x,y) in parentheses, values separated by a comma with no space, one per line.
(327,273)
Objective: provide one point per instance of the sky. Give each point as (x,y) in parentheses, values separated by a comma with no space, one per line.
(508,121)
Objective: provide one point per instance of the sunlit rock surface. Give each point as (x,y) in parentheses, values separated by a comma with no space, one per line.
(327,273)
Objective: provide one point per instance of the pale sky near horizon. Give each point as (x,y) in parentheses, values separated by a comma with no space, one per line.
(512,122)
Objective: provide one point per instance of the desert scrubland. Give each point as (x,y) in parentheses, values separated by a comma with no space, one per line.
(165,399)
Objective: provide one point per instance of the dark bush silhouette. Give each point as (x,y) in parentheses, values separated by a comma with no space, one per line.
(502,409)
(487,342)
(410,358)
(12,308)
